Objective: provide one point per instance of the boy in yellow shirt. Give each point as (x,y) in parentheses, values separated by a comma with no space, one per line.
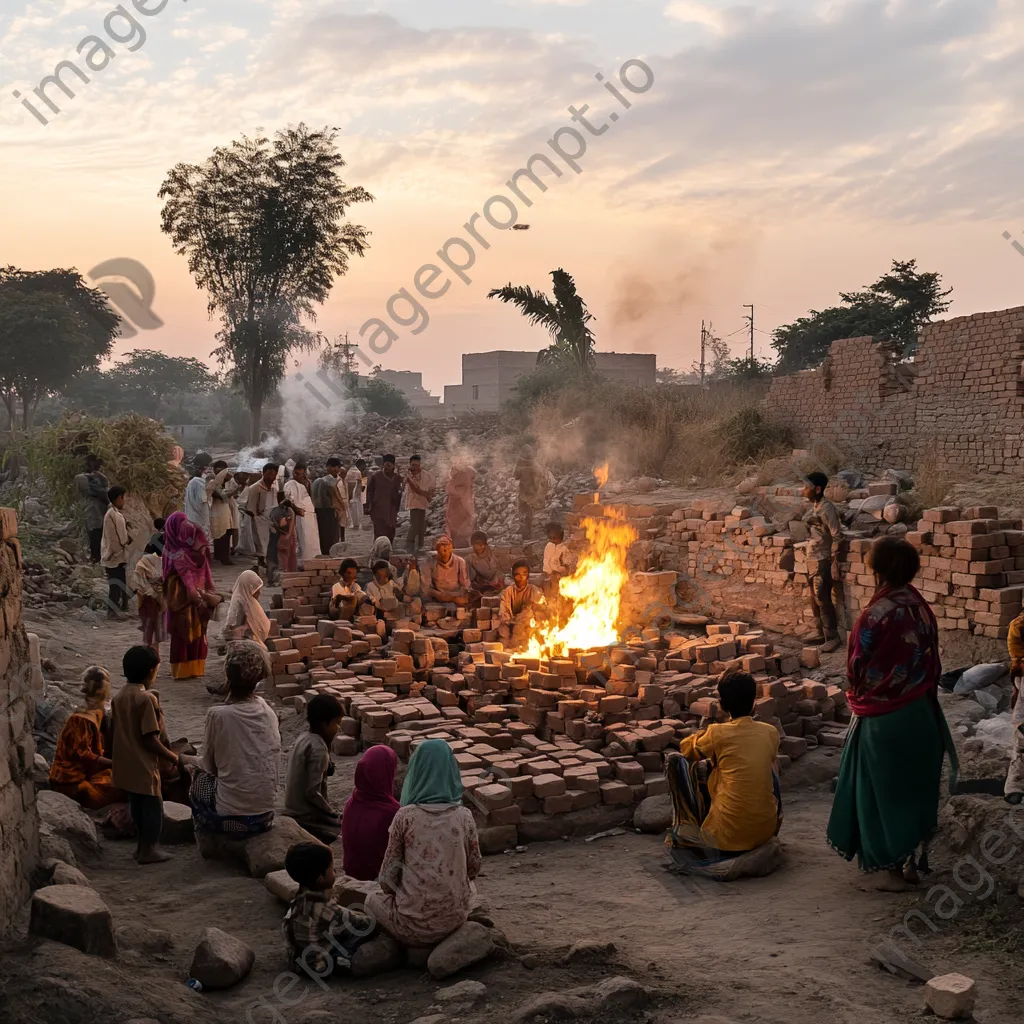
(725,790)
(1014,789)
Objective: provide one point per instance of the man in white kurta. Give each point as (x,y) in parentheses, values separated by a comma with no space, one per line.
(297,492)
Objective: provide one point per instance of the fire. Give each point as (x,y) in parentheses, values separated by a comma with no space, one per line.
(601,475)
(595,590)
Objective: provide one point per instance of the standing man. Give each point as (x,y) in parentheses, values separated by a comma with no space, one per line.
(826,537)
(92,487)
(419,489)
(384,499)
(261,499)
(532,490)
(297,492)
(330,499)
(220,513)
(354,484)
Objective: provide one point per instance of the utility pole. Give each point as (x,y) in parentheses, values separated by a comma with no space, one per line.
(703,340)
(751,319)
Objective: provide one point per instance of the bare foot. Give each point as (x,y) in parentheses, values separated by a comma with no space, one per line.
(911,875)
(893,881)
(154,856)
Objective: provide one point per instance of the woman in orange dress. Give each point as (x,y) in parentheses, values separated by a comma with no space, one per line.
(81,765)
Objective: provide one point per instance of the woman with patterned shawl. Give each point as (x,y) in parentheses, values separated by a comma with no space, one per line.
(887,797)
(189,594)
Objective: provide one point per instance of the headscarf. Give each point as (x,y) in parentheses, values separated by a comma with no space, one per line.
(444,539)
(368,813)
(380,551)
(433,776)
(192,567)
(148,575)
(250,659)
(245,608)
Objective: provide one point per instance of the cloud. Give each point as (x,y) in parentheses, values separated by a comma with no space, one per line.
(695,12)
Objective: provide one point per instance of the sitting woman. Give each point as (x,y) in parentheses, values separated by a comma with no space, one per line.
(724,785)
(433,854)
(235,786)
(81,765)
(246,619)
(449,577)
(369,813)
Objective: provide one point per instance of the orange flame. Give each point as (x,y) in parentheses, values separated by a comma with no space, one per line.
(595,590)
(601,475)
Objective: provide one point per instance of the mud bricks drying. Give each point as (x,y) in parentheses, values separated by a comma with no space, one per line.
(19,828)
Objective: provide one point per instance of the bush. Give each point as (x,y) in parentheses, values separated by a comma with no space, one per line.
(748,437)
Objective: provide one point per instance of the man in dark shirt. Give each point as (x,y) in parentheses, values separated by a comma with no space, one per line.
(826,537)
(92,487)
(532,481)
(384,498)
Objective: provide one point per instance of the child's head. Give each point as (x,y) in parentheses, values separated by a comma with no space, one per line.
(444,549)
(324,714)
(140,664)
(815,484)
(311,865)
(269,473)
(116,496)
(245,664)
(382,571)
(349,571)
(479,542)
(281,497)
(555,533)
(737,692)
(158,524)
(219,466)
(521,572)
(96,684)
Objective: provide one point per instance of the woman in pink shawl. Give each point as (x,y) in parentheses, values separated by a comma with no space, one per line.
(368,814)
(460,514)
(189,595)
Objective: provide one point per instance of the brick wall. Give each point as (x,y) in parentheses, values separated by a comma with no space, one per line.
(19,830)
(962,398)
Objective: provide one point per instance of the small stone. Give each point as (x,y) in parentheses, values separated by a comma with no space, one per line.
(74,915)
(65,874)
(653,814)
(382,953)
(221,960)
(469,944)
(590,951)
(462,992)
(177,827)
(950,996)
(282,885)
(621,993)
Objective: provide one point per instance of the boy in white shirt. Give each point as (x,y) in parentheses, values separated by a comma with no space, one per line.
(114,553)
(346,594)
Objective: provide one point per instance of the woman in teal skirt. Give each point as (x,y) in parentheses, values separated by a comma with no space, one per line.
(887,797)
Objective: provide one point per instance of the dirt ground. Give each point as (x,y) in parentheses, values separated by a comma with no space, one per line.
(791,948)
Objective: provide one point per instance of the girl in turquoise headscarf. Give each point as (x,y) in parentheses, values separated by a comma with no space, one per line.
(433,853)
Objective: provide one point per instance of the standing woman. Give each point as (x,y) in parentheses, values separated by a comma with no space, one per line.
(887,798)
(188,593)
(460,512)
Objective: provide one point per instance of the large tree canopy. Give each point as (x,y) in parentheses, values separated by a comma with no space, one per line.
(53,326)
(894,309)
(565,317)
(262,223)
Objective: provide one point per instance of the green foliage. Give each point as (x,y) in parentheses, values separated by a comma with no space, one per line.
(894,309)
(565,317)
(748,437)
(383,398)
(52,328)
(263,226)
(135,451)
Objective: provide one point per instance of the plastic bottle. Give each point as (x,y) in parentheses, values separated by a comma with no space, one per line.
(196,986)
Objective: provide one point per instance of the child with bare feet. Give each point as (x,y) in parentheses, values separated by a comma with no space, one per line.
(138,751)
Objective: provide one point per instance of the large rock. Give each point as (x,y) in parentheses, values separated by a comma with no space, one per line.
(67,820)
(177,826)
(352,892)
(950,996)
(221,960)
(265,853)
(74,915)
(471,943)
(498,839)
(653,814)
(282,885)
(382,953)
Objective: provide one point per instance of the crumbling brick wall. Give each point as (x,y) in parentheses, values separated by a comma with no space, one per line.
(961,399)
(19,829)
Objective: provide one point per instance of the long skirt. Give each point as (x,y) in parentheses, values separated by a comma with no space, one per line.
(886,805)
(93,793)
(188,642)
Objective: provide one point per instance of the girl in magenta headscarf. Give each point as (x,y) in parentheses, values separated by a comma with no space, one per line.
(368,814)
(189,595)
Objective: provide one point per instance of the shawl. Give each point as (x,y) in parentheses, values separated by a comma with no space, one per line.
(148,576)
(433,776)
(368,813)
(245,608)
(380,551)
(893,653)
(180,556)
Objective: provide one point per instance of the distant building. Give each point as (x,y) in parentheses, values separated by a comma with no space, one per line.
(411,385)
(489,378)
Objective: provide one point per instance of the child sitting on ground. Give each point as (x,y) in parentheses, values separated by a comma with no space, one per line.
(309,766)
(485,574)
(382,590)
(346,594)
(321,935)
(557,560)
(521,604)
(725,789)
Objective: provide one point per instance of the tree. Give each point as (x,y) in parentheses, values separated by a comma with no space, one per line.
(565,317)
(894,309)
(263,226)
(53,326)
(372,394)
(144,377)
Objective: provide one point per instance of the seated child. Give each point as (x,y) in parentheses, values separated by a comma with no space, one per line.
(321,935)
(346,594)
(369,812)
(557,560)
(521,603)
(305,788)
(1013,790)
(725,790)
(485,575)
(382,590)
(449,577)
